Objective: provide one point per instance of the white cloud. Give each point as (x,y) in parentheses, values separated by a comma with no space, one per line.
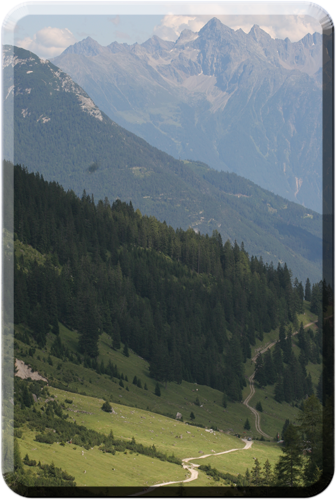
(295,27)
(48,42)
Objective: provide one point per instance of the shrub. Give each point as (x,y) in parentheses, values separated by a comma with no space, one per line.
(106,407)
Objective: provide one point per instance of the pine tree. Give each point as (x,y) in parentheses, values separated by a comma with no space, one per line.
(282,336)
(269,369)
(289,467)
(277,359)
(116,337)
(288,346)
(157,390)
(256,478)
(247,425)
(279,393)
(310,420)
(308,290)
(260,371)
(267,473)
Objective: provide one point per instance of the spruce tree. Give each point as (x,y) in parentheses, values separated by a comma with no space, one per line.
(157,390)
(259,407)
(260,371)
(256,478)
(279,393)
(247,425)
(277,359)
(267,473)
(289,467)
(116,337)
(269,369)
(282,336)
(308,290)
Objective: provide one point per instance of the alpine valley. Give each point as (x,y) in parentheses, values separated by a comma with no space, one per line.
(244,103)
(61,133)
(181,305)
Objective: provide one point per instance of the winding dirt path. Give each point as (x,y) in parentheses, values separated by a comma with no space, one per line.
(192,468)
(251,382)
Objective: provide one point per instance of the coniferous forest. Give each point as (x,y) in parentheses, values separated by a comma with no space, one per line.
(187,303)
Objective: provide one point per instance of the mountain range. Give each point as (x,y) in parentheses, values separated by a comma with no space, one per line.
(240,102)
(61,133)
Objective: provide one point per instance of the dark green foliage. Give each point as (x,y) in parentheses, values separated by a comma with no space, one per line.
(192,416)
(260,375)
(259,407)
(116,337)
(308,290)
(57,348)
(112,446)
(125,350)
(107,406)
(288,468)
(256,478)
(168,295)
(157,390)
(284,428)
(217,475)
(279,393)
(247,425)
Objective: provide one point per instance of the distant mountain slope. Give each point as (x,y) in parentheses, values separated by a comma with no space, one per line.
(62,134)
(244,103)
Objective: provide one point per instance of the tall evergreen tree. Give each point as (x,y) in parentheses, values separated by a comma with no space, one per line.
(308,290)
(282,336)
(289,467)
(260,375)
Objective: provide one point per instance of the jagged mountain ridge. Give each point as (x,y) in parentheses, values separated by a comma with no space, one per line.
(81,148)
(239,102)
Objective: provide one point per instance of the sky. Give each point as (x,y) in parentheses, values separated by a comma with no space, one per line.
(47,28)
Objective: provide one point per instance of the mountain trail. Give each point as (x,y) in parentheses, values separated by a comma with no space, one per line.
(251,381)
(192,468)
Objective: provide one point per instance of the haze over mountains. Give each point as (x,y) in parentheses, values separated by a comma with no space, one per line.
(239,102)
(60,132)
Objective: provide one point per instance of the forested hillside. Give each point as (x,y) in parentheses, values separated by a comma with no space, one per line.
(62,134)
(189,304)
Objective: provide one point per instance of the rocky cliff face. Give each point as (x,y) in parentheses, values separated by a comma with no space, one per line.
(240,102)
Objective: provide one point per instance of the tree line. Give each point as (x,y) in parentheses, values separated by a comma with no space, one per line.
(187,303)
